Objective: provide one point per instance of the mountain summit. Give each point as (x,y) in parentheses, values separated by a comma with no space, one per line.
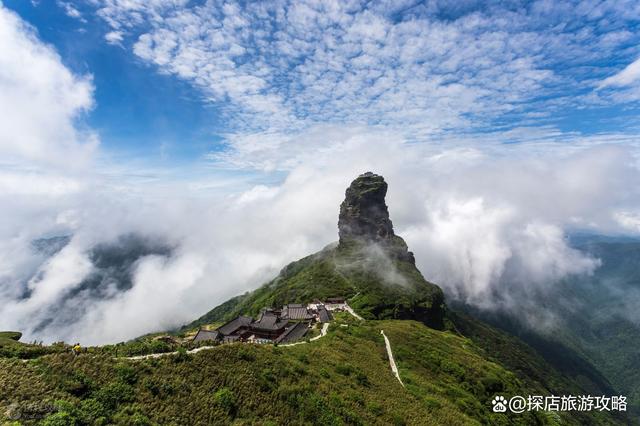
(364,213)
(364,218)
(370,266)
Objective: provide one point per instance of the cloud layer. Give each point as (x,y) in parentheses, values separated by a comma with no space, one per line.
(490,230)
(316,93)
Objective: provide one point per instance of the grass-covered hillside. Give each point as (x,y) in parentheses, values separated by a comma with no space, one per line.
(377,285)
(11,347)
(596,333)
(342,378)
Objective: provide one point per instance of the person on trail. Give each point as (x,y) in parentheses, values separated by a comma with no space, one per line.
(76,349)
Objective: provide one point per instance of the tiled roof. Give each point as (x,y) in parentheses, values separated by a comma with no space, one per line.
(234,325)
(293,333)
(206,335)
(296,312)
(324,315)
(269,322)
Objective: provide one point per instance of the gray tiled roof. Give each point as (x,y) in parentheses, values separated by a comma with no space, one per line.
(296,312)
(234,325)
(293,333)
(324,315)
(269,322)
(206,335)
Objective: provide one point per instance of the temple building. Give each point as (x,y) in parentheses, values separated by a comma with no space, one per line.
(286,325)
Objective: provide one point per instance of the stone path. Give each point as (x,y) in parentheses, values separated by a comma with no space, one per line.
(392,362)
(161,354)
(323,332)
(352,312)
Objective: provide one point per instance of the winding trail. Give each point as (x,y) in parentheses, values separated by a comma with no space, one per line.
(352,312)
(323,332)
(161,354)
(392,362)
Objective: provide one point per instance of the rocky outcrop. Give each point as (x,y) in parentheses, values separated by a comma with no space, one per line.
(364,213)
(364,216)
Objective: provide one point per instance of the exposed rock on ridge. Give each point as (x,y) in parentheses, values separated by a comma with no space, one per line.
(364,216)
(364,213)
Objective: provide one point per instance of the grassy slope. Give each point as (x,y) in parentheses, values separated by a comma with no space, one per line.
(343,378)
(10,346)
(537,371)
(591,342)
(342,271)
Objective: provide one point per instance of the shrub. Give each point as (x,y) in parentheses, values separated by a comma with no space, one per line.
(158,387)
(267,380)
(226,399)
(344,369)
(77,384)
(93,411)
(246,354)
(61,418)
(492,384)
(375,408)
(132,416)
(113,394)
(126,374)
(362,379)
(181,356)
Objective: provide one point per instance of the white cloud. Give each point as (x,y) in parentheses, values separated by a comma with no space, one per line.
(480,221)
(114,37)
(70,10)
(629,220)
(629,75)
(40,101)
(280,66)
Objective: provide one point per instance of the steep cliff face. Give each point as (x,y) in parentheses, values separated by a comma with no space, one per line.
(364,218)
(363,213)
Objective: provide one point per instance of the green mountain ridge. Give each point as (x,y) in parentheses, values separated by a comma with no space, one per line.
(595,335)
(351,270)
(370,266)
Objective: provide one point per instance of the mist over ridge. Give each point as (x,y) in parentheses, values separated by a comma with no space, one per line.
(471,233)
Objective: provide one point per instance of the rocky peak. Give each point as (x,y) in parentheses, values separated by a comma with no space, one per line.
(363,213)
(364,217)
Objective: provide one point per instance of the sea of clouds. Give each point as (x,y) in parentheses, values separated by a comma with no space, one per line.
(487,222)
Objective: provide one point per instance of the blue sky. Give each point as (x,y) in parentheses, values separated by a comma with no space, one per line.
(177,82)
(138,112)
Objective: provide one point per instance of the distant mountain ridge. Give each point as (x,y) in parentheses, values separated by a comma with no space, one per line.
(113,267)
(597,331)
